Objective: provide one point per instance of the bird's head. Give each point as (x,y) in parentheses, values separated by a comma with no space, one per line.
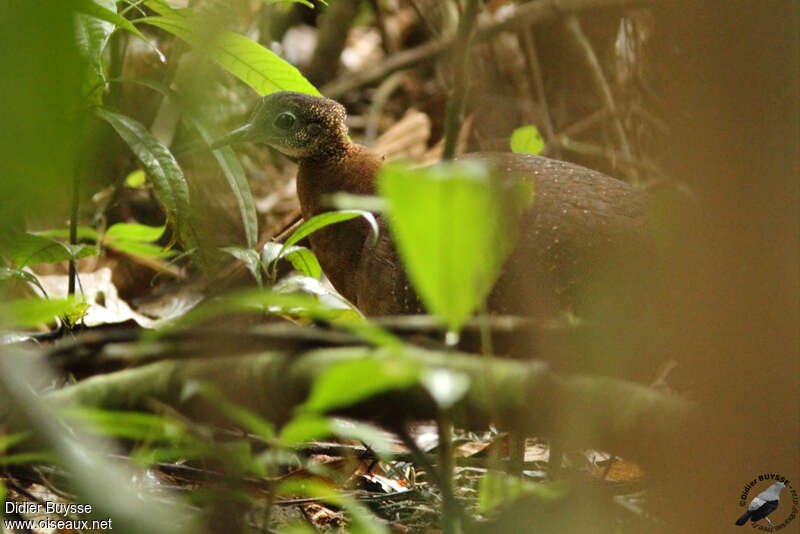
(298,125)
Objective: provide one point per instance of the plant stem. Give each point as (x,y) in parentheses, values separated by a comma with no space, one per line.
(451,523)
(73,228)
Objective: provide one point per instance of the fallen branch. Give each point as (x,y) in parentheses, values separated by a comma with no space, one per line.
(623,417)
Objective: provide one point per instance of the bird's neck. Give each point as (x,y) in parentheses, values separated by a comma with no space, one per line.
(338,247)
(352,169)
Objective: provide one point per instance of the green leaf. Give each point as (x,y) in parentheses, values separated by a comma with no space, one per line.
(498,488)
(351,381)
(255,65)
(251,259)
(75,313)
(80,250)
(234,174)
(31,249)
(338,308)
(83,233)
(304,2)
(135,248)
(136,179)
(130,425)
(454,225)
(7,273)
(42,457)
(35,311)
(302,259)
(135,232)
(307,428)
(9,440)
(167,177)
(92,35)
(527,140)
(258,302)
(94,9)
(326,219)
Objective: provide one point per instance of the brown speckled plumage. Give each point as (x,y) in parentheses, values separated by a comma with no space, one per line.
(581,222)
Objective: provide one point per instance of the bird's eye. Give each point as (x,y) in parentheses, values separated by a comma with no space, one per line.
(285,120)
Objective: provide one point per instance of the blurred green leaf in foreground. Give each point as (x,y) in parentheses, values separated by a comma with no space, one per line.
(454,224)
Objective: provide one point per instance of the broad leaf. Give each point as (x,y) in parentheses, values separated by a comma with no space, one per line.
(7,273)
(454,225)
(497,488)
(83,232)
(234,174)
(167,177)
(135,248)
(250,258)
(92,34)
(307,428)
(105,13)
(31,249)
(258,67)
(351,381)
(130,425)
(302,259)
(35,311)
(326,219)
(226,158)
(135,232)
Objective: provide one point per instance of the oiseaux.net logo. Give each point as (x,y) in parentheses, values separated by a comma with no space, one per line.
(769,502)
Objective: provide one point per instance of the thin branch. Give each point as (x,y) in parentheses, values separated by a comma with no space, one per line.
(590,149)
(522,17)
(381,96)
(380,22)
(457,101)
(603,87)
(535,71)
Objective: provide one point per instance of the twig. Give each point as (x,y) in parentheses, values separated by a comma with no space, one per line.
(589,149)
(421,15)
(380,22)
(585,123)
(575,29)
(552,146)
(525,15)
(385,90)
(331,39)
(535,71)
(457,100)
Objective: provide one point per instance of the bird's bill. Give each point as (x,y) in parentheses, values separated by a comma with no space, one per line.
(239,135)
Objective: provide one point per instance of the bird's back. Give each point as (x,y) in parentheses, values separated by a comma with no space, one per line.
(582,225)
(581,222)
